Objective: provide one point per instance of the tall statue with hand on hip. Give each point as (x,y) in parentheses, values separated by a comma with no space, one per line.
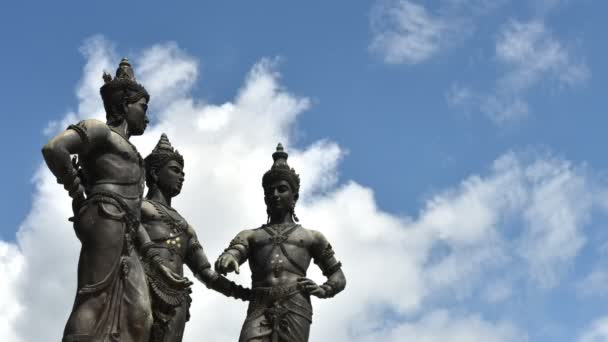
(106,181)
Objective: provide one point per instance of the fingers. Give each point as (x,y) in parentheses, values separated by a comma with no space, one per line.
(235,266)
(306,282)
(317,292)
(226,264)
(181,282)
(174,278)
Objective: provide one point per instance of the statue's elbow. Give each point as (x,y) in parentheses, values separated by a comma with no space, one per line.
(49,151)
(339,281)
(342,284)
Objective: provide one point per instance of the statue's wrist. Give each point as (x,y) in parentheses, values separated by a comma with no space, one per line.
(71,183)
(234,253)
(329,289)
(68,179)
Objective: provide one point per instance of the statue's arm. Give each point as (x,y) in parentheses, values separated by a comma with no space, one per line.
(77,139)
(199,265)
(146,246)
(235,254)
(324,256)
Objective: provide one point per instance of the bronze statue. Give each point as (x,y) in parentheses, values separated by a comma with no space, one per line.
(175,243)
(106,182)
(279,253)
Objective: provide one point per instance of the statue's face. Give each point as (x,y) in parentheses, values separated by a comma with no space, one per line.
(171,178)
(279,196)
(136,117)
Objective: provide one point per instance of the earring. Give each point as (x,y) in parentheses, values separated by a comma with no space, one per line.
(293,213)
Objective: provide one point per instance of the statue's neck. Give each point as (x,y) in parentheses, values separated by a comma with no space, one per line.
(158,196)
(123,129)
(281,218)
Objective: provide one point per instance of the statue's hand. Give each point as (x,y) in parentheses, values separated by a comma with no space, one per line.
(77,199)
(310,287)
(173,278)
(226,263)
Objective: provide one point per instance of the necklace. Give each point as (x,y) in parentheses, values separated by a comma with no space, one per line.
(177,226)
(279,228)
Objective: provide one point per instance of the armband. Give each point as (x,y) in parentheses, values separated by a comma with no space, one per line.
(81,129)
(327,262)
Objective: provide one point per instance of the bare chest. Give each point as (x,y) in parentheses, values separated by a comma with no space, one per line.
(272,251)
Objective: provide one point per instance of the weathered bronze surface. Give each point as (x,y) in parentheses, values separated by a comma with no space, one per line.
(131,286)
(106,180)
(279,254)
(174,242)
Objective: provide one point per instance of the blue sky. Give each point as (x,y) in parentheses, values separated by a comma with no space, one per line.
(423,104)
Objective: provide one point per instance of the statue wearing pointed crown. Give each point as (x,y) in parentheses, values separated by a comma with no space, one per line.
(105,180)
(175,243)
(279,254)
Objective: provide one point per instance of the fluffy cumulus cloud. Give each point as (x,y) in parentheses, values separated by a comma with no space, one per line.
(409,277)
(531,56)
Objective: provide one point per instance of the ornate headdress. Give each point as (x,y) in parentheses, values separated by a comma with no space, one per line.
(162,154)
(124,86)
(280,170)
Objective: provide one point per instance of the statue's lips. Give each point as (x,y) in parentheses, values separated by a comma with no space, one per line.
(276,204)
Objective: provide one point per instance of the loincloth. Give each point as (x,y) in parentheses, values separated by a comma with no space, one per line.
(281,313)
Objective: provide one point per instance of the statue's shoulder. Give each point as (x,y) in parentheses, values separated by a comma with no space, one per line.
(148,211)
(246,234)
(306,230)
(315,236)
(92,130)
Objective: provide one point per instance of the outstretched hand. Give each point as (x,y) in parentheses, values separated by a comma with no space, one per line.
(227,263)
(310,287)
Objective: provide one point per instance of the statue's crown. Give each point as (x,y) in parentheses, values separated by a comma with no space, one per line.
(164,146)
(280,170)
(124,82)
(124,72)
(162,153)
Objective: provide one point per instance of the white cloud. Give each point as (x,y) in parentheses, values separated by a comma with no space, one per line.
(405,32)
(408,32)
(11,267)
(596,331)
(531,57)
(404,266)
(595,283)
(439,326)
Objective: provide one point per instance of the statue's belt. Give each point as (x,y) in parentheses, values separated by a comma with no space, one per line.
(275,293)
(128,214)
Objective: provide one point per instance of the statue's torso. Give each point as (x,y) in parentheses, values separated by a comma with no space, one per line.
(116,167)
(168,231)
(279,256)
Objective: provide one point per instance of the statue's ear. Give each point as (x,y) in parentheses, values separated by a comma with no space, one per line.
(124,107)
(296,196)
(154,174)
